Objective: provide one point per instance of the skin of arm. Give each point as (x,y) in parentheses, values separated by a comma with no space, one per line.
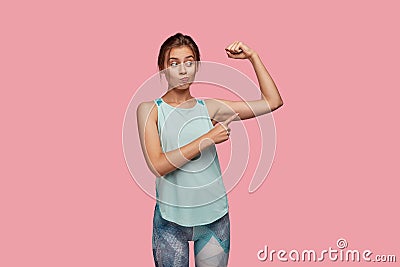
(160,163)
(220,109)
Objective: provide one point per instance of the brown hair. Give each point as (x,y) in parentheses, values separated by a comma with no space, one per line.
(177,40)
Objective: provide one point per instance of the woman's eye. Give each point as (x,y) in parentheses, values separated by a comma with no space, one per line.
(187,64)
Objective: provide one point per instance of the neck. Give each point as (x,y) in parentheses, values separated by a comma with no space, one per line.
(177,95)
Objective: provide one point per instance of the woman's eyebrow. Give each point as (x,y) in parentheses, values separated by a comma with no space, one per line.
(178,58)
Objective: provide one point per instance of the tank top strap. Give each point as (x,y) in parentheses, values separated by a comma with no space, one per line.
(158,101)
(200,101)
(203,108)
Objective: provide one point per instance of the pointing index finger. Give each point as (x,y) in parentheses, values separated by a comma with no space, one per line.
(231,118)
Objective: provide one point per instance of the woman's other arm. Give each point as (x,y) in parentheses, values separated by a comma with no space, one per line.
(270,98)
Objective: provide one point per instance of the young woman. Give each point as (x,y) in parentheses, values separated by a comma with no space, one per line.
(178,134)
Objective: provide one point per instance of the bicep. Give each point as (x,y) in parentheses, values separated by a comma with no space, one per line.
(222,109)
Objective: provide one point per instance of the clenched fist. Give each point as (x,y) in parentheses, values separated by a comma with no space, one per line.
(239,50)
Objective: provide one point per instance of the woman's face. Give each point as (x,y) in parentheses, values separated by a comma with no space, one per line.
(180,67)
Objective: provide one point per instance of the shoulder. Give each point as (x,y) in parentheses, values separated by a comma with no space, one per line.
(147,109)
(213,105)
(146,106)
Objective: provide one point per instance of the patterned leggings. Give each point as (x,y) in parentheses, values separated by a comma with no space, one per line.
(171,246)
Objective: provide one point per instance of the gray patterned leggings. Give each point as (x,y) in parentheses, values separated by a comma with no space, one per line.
(171,246)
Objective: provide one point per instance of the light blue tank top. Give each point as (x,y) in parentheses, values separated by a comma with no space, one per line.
(193,194)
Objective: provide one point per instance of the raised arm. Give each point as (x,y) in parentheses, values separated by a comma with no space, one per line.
(161,163)
(270,98)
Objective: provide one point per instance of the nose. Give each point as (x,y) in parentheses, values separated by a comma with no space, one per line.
(182,68)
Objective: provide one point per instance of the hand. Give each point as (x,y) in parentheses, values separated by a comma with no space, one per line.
(221,131)
(239,50)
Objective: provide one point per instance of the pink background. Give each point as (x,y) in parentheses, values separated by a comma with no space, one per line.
(69,70)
